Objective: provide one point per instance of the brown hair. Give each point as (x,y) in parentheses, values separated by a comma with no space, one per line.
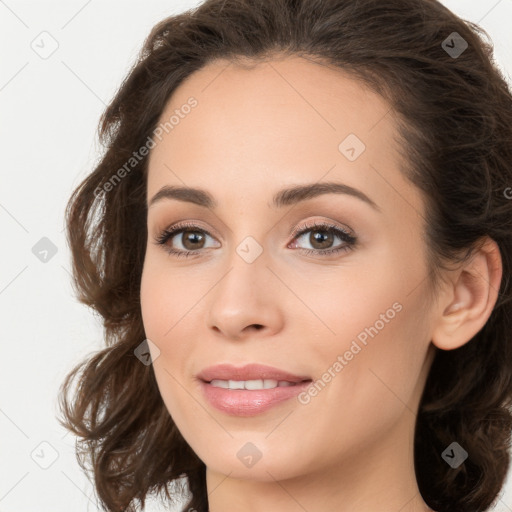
(456,132)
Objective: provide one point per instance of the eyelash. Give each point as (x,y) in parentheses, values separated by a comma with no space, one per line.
(349,239)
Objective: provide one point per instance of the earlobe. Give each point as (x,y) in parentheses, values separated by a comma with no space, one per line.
(470,298)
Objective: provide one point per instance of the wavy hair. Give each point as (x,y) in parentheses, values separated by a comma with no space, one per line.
(455,128)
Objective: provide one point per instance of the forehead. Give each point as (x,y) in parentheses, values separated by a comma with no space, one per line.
(288,98)
(273,123)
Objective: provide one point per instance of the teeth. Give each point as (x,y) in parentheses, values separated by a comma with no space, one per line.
(250,384)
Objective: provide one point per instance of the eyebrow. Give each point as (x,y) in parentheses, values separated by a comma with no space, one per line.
(285,197)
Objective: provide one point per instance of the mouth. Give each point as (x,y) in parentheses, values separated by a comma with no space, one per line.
(250,390)
(252,385)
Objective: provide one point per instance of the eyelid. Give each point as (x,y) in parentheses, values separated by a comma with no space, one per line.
(191,224)
(317,223)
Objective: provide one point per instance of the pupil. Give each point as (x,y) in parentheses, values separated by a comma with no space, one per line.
(324,240)
(193,234)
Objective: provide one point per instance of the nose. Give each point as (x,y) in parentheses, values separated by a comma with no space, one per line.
(246,301)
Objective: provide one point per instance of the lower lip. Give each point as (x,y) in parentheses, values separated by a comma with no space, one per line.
(243,402)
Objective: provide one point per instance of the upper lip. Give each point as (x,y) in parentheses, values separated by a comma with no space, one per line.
(248,372)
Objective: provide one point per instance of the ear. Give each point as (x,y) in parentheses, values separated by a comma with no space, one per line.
(468,301)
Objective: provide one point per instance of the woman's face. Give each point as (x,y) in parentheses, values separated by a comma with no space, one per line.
(261,285)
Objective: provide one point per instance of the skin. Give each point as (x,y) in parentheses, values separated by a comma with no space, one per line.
(254,131)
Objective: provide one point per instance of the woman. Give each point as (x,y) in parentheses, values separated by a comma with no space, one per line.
(299,239)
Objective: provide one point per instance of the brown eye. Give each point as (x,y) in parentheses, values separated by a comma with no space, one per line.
(321,239)
(191,240)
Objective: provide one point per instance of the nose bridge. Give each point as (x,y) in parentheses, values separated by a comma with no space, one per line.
(248,248)
(242,296)
(247,262)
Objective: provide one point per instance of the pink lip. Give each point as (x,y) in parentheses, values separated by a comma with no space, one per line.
(242,402)
(247,372)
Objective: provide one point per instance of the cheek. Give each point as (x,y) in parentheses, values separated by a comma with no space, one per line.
(162,307)
(346,303)
(377,321)
(169,306)
(165,296)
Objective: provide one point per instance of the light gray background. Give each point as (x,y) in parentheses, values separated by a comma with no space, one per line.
(49,114)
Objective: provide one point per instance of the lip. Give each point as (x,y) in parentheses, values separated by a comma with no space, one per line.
(242,402)
(248,372)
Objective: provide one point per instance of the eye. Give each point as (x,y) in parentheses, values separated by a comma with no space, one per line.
(321,238)
(192,239)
